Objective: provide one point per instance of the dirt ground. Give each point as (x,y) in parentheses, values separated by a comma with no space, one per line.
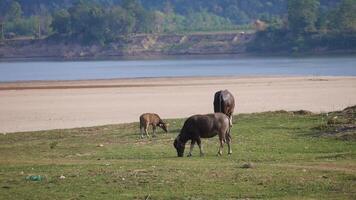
(39,105)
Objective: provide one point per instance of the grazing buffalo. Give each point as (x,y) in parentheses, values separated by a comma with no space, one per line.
(152,119)
(203,126)
(224,102)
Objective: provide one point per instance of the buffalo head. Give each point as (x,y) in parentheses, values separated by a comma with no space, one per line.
(164,126)
(179,147)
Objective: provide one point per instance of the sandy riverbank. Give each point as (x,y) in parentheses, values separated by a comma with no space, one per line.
(29,106)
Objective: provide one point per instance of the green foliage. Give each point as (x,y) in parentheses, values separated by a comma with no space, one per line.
(343,18)
(169,22)
(273,39)
(61,22)
(294,25)
(14,12)
(201,21)
(131,5)
(239,16)
(238,12)
(119,22)
(22,26)
(311,29)
(19,25)
(204,21)
(144,20)
(302,15)
(87,22)
(90,22)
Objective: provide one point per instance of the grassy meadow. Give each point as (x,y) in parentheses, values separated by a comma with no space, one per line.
(292,156)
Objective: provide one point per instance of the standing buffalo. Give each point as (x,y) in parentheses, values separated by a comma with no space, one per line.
(153,119)
(224,102)
(203,126)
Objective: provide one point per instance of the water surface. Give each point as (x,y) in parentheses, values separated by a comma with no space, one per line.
(79,70)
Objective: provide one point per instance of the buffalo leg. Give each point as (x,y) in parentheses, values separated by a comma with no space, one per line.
(221,140)
(229,146)
(200,147)
(146,131)
(141,131)
(191,148)
(154,131)
(228,141)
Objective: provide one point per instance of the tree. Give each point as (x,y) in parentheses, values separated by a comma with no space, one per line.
(168,8)
(61,22)
(236,15)
(44,20)
(119,23)
(132,5)
(15,12)
(3,8)
(205,21)
(1,29)
(87,22)
(344,17)
(144,20)
(2,18)
(302,15)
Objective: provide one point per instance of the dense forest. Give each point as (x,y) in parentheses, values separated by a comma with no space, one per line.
(309,27)
(295,25)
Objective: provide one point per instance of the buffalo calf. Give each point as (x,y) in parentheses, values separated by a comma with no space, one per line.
(152,119)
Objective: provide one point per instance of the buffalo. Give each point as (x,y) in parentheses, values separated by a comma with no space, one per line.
(224,102)
(203,126)
(154,120)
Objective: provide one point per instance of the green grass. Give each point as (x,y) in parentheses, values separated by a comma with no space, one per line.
(291,162)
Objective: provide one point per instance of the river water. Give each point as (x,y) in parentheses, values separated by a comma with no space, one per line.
(176,67)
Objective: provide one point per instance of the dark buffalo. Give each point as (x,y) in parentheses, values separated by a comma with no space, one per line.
(224,102)
(152,119)
(203,126)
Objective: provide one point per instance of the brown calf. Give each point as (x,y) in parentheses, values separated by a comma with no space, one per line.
(152,119)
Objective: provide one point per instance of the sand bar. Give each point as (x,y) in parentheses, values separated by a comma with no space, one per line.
(42,105)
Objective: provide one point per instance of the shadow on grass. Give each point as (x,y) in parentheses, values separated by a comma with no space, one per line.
(339,133)
(337,156)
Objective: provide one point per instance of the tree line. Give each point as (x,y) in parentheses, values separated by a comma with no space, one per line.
(310,27)
(295,25)
(102,21)
(89,21)
(237,11)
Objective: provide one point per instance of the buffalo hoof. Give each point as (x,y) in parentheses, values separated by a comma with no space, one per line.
(229,153)
(219,154)
(189,155)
